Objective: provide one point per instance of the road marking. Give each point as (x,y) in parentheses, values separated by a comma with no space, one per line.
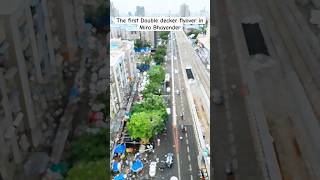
(233,150)
(235,163)
(189,158)
(187,141)
(190,167)
(228,115)
(188,150)
(231,138)
(186,134)
(230,126)
(191,177)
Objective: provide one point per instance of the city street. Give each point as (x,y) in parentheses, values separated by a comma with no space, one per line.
(231,134)
(187,147)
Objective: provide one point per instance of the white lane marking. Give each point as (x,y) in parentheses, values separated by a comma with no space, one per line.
(188,150)
(189,158)
(191,177)
(187,141)
(231,137)
(190,167)
(235,163)
(186,134)
(233,150)
(230,126)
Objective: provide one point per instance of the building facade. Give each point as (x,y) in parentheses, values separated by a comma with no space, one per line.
(140,11)
(122,73)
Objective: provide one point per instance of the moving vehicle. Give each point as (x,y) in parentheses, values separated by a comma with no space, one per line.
(167,77)
(178,92)
(152,169)
(174,178)
(168,89)
(168,111)
(169,160)
(183,128)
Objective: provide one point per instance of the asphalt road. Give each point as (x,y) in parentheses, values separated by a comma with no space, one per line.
(231,136)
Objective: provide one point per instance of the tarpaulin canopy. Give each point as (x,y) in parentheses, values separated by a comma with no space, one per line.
(116,166)
(120,149)
(137,166)
(119,177)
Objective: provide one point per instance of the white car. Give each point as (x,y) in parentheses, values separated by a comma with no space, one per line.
(152,169)
(168,110)
(168,89)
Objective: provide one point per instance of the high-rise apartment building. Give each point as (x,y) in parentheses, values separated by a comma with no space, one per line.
(184,10)
(140,11)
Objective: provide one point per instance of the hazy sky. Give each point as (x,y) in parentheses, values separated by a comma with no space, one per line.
(159,6)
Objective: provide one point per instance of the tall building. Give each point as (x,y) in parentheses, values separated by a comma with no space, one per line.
(140,11)
(184,10)
(122,72)
(113,11)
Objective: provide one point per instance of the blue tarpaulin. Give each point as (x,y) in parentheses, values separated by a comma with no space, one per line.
(74,91)
(144,49)
(120,149)
(137,166)
(119,177)
(116,166)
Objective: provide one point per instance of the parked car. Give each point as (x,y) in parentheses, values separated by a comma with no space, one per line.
(169,159)
(152,169)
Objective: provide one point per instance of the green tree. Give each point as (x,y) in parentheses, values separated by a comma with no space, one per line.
(138,43)
(161,51)
(158,59)
(164,35)
(95,170)
(89,147)
(147,44)
(152,88)
(140,126)
(153,102)
(147,59)
(156,74)
(137,107)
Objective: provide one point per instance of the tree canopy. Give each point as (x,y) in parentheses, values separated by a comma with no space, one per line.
(89,147)
(96,170)
(146,124)
(164,35)
(140,126)
(156,74)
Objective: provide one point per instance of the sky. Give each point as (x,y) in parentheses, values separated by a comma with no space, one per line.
(159,6)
